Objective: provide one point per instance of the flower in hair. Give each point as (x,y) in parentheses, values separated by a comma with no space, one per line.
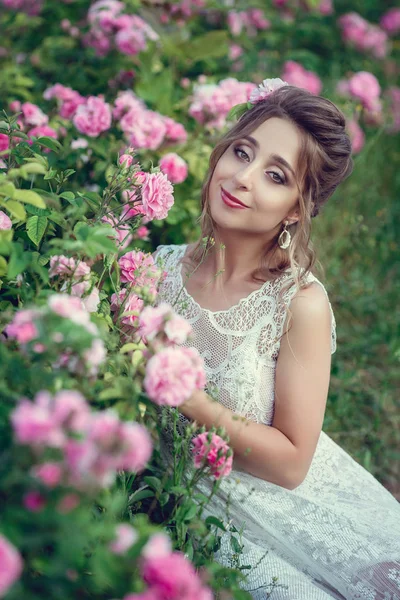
(265,89)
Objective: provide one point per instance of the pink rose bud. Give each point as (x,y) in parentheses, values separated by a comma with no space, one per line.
(34,501)
(126,160)
(5,221)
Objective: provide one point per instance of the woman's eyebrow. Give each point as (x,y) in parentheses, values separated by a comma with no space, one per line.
(276,157)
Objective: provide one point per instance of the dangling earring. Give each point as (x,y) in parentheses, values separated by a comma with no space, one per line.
(285,238)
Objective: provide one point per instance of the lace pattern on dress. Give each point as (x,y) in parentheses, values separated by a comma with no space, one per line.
(337,535)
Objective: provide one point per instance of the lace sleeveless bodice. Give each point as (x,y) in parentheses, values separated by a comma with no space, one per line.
(240,346)
(337,535)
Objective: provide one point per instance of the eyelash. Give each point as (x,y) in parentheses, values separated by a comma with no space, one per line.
(282,180)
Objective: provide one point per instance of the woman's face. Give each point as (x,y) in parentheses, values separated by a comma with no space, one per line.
(258,171)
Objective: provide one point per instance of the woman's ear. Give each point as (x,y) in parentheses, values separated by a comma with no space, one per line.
(293,216)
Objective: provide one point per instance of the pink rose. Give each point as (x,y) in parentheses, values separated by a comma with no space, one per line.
(10,565)
(92,300)
(212,451)
(125,537)
(390,21)
(126,101)
(34,502)
(5,221)
(157,195)
(152,320)
(159,544)
(48,473)
(97,39)
(130,41)
(67,267)
(94,117)
(365,87)
(170,377)
(68,503)
(68,99)
(42,131)
(235,22)
(295,74)
(174,167)
(198,365)
(265,89)
(173,576)
(22,328)
(177,329)
(33,116)
(130,303)
(4,142)
(70,411)
(357,136)
(212,102)
(144,129)
(175,132)
(138,268)
(235,51)
(137,447)
(141,233)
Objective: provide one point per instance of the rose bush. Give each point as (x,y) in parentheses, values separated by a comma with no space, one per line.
(94,97)
(79,340)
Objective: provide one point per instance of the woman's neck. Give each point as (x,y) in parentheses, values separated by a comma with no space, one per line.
(235,257)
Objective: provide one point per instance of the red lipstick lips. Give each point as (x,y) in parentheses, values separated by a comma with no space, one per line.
(230,200)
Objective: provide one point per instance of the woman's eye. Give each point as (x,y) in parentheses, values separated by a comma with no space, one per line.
(277,177)
(240,153)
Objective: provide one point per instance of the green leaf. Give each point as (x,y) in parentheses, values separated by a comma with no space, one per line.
(29,197)
(3,266)
(237,111)
(153,482)
(164,498)
(35,227)
(50,143)
(110,393)
(7,189)
(140,495)
(6,235)
(18,262)
(235,544)
(34,210)
(70,196)
(34,168)
(214,521)
(190,512)
(15,209)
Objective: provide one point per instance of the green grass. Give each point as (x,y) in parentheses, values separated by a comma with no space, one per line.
(357,242)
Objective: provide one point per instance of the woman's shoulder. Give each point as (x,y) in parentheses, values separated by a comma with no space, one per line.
(310,307)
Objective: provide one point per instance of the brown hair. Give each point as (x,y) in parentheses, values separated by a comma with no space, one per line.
(324,162)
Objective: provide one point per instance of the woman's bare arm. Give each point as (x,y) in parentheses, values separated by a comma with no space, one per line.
(282,453)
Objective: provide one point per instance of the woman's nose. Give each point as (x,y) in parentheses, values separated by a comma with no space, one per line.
(243,177)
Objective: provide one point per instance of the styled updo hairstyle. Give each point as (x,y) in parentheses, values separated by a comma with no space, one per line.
(324,162)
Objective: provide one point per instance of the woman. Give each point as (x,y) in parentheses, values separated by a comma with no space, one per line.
(263,324)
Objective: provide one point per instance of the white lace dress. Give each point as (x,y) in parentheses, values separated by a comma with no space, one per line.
(337,535)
